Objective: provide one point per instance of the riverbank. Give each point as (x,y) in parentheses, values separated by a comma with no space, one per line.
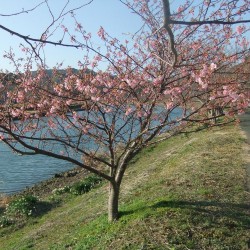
(186,193)
(67,178)
(44,188)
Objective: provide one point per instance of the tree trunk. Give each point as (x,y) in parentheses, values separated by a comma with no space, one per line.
(114,190)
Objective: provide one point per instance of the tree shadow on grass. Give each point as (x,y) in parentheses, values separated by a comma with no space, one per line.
(215,210)
(2,209)
(236,215)
(42,207)
(182,204)
(128,212)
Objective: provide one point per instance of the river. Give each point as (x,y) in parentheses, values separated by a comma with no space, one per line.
(17,172)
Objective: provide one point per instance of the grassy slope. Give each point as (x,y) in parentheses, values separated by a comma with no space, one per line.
(186,193)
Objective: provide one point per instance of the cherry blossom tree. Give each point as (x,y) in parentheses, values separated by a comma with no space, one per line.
(161,82)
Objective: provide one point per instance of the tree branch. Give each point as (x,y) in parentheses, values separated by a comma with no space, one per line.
(166,23)
(188,23)
(28,38)
(23,11)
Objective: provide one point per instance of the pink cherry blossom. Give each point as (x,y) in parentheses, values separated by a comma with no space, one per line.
(213,66)
(240,29)
(101,33)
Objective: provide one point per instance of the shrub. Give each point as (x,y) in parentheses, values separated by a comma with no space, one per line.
(23,206)
(81,187)
(86,185)
(62,190)
(5,221)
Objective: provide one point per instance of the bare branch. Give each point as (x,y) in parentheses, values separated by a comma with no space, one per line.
(189,23)
(28,38)
(23,11)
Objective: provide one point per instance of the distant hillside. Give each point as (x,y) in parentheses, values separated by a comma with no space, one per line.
(9,80)
(64,71)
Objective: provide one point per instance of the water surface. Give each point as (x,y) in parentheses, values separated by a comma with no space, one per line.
(17,172)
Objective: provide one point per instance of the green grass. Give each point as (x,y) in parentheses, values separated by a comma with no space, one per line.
(186,193)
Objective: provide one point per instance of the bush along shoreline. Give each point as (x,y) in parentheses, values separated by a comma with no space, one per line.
(20,206)
(75,181)
(59,180)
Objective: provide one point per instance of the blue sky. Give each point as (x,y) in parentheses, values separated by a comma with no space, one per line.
(110,14)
